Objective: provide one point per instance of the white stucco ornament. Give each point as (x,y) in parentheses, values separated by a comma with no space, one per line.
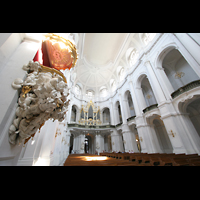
(43,96)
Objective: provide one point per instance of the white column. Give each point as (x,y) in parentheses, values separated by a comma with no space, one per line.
(116,141)
(154,140)
(194,145)
(140,98)
(67,142)
(164,82)
(112,113)
(135,103)
(79,142)
(45,152)
(155,85)
(101,117)
(97,140)
(69,112)
(122,108)
(172,126)
(145,135)
(77,115)
(82,142)
(129,139)
(189,44)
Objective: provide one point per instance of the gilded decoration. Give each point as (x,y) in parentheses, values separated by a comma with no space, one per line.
(43,93)
(62,52)
(43,96)
(90,114)
(179,75)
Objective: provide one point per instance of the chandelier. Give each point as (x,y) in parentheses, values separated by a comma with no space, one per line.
(43,93)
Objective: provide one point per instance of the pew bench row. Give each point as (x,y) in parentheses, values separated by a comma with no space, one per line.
(157,159)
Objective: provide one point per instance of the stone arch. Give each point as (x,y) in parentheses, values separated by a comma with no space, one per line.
(163,52)
(161,140)
(140,78)
(143,78)
(106,115)
(179,71)
(74,113)
(189,109)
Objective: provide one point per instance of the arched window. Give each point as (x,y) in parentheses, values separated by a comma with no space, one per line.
(90,94)
(77,90)
(103,91)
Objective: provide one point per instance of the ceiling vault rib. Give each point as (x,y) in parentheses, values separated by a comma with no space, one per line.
(100,56)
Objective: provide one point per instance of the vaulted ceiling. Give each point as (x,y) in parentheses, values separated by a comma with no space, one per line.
(96,62)
(100,57)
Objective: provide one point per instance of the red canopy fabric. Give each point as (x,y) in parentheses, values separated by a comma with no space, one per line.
(59,55)
(54,55)
(42,56)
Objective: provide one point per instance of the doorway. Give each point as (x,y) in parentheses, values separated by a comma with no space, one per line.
(71,143)
(88,144)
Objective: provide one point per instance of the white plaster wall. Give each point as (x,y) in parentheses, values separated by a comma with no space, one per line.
(53,151)
(14,54)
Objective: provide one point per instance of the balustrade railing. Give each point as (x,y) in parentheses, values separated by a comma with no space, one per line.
(131,118)
(185,88)
(90,126)
(151,107)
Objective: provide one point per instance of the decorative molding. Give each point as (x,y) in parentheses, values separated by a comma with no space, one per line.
(43,96)
(129,74)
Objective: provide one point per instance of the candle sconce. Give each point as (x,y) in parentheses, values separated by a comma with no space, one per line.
(171,133)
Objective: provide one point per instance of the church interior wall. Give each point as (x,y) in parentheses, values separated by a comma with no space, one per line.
(173,130)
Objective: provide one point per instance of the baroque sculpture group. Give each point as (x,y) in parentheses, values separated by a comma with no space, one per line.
(43,96)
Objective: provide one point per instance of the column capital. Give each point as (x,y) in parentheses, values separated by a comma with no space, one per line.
(147,62)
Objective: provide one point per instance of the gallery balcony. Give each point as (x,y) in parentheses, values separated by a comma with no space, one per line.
(151,107)
(75,125)
(185,88)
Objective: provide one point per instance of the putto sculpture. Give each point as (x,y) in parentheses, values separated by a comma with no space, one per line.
(43,96)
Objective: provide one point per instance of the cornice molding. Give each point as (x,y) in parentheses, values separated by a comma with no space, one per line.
(140,60)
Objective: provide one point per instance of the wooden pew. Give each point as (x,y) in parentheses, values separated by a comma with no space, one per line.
(185,160)
(135,159)
(154,158)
